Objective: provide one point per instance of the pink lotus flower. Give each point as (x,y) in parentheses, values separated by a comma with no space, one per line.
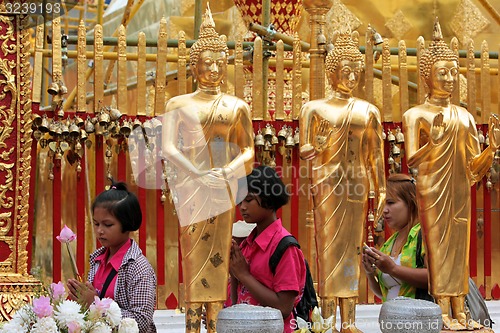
(66,235)
(74,327)
(42,307)
(58,291)
(101,305)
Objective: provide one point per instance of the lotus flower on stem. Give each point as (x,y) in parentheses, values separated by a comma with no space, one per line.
(66,237)
(317,324)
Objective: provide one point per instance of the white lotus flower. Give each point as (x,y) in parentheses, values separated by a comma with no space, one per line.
(113,315)
(100,327)
(45,325)
(128,325)
(68,311)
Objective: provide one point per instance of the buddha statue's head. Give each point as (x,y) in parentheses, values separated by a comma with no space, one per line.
(439,65)
(344,63)
(208,55)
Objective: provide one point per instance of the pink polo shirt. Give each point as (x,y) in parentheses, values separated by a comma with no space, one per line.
(104,269)
(290,272)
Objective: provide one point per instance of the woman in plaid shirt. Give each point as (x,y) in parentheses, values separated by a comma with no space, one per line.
(118,269)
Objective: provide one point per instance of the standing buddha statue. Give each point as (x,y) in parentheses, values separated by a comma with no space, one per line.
(342,137)
(207,143)
(442,144)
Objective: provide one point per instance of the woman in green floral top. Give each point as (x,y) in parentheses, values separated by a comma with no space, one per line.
(392,270)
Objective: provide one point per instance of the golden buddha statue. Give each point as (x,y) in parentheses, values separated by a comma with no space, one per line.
(207,143)
(342,136)
(442,144)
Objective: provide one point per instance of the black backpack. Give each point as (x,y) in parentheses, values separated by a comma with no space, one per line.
(309,300)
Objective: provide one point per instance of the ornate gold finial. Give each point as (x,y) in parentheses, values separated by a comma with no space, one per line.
(209,39)
(437,34)
(344,48)
(438,50)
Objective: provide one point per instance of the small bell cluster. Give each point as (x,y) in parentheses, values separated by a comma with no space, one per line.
(267,141)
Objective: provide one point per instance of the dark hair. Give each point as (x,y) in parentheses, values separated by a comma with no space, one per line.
(403,186)
(122,204)
(265,182)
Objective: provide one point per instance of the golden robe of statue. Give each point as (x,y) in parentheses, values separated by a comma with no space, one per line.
(342,136)
(442,143)
(208,145)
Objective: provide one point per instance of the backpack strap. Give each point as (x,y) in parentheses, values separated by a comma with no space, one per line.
(419,260)
(284,243)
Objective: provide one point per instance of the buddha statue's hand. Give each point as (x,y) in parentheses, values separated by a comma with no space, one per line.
(437,129)
(214,178)
(494,131)
(322,139)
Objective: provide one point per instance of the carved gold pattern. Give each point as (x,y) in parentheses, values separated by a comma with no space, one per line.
(297,78)
(122,69)
(340,17)
(181,63)
(38,61)
(81,92)
(257,86)
(239,76)
(471,82)
(161,68)
(455,95)
(399,25)
(98,69)
(468,21)
(386,82)
(141,76)
(485,83)
(8,89)
(403,81)
(280,80)
(17,287)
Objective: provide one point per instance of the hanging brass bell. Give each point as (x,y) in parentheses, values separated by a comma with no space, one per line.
(296,137)
(99,130)
(79,121)
(36,119)
(259,140)
(64,128)
(44,125)
(114,114)
(53,128)
(125,129)
(104,118)
(274,140)
(62,89)
(89,126)
(83,134)
(268,132)
(157,125)
(395,150)
(391,137)
(283,133)
(400,138)
(137,123)
(289,142)
(53,88)
(148,128)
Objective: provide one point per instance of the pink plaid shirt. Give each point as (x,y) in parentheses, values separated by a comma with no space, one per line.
(135,290)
